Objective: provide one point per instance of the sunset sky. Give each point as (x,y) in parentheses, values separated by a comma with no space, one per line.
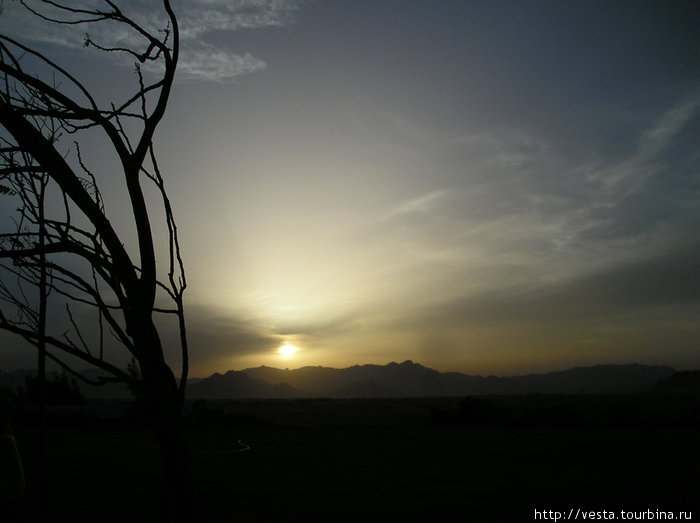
(487,187)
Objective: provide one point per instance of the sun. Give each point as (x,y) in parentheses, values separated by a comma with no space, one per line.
(287,350)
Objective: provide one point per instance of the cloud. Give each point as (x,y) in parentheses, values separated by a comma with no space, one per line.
(578,213)
(202,16)
(420,204)
(216,339)
(666,280)
(632,173)
(205,62)
(518,231)
(197,18)
(645,310)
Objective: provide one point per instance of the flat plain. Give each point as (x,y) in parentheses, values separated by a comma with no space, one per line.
(468,459)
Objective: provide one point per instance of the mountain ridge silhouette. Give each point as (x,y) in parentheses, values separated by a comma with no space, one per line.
(409,379)
(406,379)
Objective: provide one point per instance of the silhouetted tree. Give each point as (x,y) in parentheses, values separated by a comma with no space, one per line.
(64,248)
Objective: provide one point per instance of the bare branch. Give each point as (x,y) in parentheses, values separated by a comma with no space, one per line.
(70,249)
(96,16)
(31,336)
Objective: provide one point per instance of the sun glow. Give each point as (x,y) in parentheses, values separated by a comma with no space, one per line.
(287,350)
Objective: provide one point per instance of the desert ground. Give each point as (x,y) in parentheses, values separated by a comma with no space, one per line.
(486,459)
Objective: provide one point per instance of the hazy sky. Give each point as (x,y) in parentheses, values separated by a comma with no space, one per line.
(488,187)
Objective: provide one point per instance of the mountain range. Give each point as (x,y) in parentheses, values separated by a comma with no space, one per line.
(409,379)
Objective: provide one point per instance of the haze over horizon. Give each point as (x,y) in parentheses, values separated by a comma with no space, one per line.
(484,187)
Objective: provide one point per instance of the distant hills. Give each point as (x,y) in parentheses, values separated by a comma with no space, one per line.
(680,383)
(409,379)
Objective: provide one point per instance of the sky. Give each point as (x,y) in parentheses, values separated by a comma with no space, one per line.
(485,187)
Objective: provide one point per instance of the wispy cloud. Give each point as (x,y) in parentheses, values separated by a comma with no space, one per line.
(205,62)
(420,204)
(197,18)
(631,173)
(515,210)
(202,16)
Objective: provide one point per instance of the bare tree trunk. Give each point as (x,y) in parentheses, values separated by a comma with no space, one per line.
(34,114)
(41,364)
(162,391)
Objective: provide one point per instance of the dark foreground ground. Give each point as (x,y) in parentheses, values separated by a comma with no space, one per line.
(478,459)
